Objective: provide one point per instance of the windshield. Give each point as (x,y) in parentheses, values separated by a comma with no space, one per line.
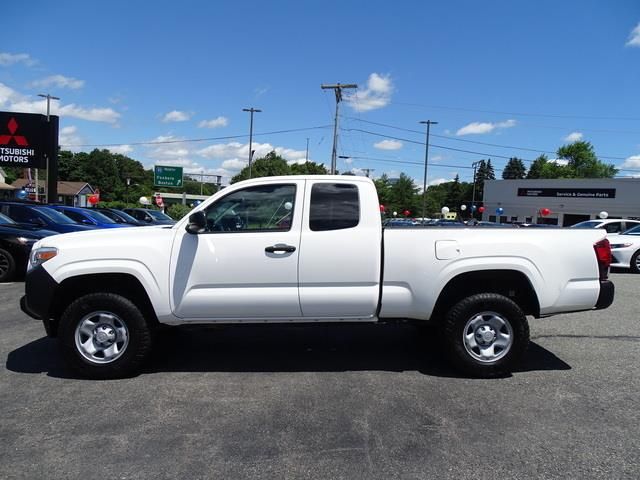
(4,220)
(587,224)
(158,215)
(99,217)
(123,215)
(55,216)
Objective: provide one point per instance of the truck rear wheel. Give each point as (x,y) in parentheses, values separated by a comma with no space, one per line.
(486,334)
(104,335)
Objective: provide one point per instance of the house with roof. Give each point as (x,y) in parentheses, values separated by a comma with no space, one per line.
(74,194)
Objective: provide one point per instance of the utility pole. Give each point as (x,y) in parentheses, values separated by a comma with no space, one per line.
(49,98)
(306,156)
(367,170)
(337,89)
(473,198)
(426,163)
(252,111)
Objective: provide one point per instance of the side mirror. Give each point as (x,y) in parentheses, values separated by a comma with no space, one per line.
(197,223)
(86,221)
(148,219)
(37,221)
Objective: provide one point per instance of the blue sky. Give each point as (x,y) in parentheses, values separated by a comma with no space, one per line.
(522,74)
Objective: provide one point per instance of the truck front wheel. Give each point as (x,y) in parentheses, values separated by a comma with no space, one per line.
(486,334)
(104,336)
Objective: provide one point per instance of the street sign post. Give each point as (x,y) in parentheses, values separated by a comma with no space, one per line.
(164,176)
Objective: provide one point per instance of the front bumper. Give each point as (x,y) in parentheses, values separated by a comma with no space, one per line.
(40,289)
(605,298)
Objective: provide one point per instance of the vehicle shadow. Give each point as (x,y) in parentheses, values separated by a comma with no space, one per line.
(313,348)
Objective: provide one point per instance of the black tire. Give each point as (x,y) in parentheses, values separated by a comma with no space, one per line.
(633,265)
(133,356)
(506,310)
(7,266)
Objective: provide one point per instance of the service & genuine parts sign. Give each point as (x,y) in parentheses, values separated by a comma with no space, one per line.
(23,139)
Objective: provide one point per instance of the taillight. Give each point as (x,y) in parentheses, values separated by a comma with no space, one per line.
(603,254)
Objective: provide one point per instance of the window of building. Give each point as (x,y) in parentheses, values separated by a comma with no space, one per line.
(334,206)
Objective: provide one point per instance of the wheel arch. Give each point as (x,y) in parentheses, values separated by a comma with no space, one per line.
(124,284)
(512,284)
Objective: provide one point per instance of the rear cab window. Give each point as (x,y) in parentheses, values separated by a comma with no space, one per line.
(334,206)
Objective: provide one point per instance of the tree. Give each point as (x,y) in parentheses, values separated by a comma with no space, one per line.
(270,165)
(489,174)
(403,195)
(514,169)
(308,168)
(583,162)
(537,167)
(454,193)
(383,187)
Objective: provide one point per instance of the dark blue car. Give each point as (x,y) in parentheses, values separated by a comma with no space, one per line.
(86,216)
(41,216)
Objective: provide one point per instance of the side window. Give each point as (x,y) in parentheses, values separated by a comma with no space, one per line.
(263,208)
(334,206)
(73,215)
(20,214)
(613,227)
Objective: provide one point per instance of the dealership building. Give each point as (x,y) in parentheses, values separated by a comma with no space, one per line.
(564,201)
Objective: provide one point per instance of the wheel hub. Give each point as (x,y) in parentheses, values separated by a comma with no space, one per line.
(104,335)
(485,335)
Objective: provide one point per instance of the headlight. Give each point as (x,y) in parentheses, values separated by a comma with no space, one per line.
(620,245)
(40,255)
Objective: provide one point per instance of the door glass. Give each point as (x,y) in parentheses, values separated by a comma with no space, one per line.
(613,227)
(263,208)
(334,206)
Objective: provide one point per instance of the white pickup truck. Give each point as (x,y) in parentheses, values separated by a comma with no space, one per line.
(308,249)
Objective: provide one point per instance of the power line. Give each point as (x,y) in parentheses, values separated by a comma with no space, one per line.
(189,140)
(521,114)
(534,150)
(484,154)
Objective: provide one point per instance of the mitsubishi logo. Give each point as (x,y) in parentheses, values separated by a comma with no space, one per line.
(19,139)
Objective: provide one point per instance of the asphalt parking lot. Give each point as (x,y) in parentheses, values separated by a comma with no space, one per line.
(328,402)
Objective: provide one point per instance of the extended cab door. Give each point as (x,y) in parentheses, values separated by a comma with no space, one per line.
(340,250)
(245,265)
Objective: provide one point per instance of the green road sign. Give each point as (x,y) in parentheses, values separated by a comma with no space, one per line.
(167,176)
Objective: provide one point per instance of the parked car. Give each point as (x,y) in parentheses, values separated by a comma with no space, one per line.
(150,217)
(625,250)
(15,245)
(41,216)
(103,292)
(120,216)
(611,225)
(86,216)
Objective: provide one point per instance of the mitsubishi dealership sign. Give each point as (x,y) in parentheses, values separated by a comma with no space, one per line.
(25,139)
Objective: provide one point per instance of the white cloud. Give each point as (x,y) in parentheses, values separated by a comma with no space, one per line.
(121,149)
(631,162)
(559,161)
(376,95)
(59,81)
(388,145)
(214,122)
(439,181)
(13,101)
(234,164)
(235,150)
(69,137)
(634,37)
(573,137)
(176,116)
(479,128)
(7,59)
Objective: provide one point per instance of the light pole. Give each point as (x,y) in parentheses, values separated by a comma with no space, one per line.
(49,98)
(473,198)
(252,111)
(426,163)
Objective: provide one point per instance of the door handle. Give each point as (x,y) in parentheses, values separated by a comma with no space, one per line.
(280,248)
